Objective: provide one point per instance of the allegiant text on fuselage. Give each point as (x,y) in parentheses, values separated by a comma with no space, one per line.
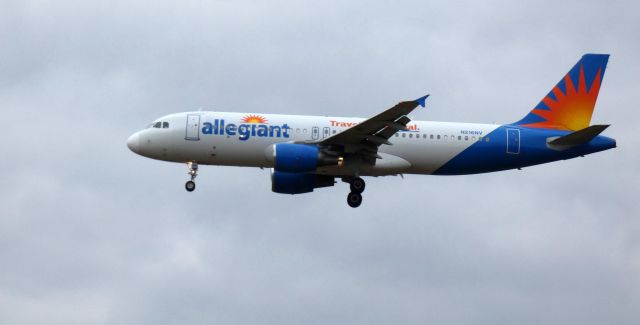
(246,130)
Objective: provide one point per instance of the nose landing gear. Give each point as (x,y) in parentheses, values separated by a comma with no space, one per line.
(354,198)
(193,172)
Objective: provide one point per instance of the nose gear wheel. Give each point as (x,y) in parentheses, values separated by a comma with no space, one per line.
(190,185)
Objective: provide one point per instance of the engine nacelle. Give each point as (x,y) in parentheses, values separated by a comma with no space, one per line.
(297,183)
(298,158)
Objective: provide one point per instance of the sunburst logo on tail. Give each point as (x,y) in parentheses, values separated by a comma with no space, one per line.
(569,105)
(570,109)
(254,119)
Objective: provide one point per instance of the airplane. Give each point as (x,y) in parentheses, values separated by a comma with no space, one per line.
(309,152)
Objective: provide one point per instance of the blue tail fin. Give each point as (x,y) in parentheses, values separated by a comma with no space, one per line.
(569,105)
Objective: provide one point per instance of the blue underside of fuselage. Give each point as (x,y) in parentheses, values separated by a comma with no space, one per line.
(503,151)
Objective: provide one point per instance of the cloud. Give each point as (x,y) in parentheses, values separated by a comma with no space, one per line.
(91,233)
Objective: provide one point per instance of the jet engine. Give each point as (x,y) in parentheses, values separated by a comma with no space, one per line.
(294,166)
(298,158)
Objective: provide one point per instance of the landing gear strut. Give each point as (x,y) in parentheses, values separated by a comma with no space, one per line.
(193,172)
(354,198)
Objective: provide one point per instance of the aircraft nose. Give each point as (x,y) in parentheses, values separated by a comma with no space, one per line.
(134,142)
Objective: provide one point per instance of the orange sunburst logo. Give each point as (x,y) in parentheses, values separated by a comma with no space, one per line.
(254,119)
(571,110)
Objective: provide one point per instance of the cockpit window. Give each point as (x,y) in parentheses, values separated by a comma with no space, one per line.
(159,125)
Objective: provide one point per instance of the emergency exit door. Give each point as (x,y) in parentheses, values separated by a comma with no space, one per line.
(325,132)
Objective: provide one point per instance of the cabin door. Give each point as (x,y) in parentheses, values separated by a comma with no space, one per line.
(513,141)
(193,127)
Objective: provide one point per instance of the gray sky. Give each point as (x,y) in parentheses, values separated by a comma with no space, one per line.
(91,233)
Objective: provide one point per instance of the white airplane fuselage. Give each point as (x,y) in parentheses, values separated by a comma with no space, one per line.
(422,149)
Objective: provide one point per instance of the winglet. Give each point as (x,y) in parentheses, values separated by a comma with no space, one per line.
(422,100)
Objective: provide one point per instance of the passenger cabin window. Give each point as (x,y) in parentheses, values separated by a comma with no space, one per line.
(438,137)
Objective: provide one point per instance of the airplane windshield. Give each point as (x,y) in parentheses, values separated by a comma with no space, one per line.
(159,125)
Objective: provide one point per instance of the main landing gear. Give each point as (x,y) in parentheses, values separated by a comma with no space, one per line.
(354,198)
(193,172)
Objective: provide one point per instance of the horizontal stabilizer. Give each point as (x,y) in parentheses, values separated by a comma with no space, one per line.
(577,138)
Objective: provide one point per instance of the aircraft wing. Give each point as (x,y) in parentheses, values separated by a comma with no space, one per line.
(378,129)
(366,136)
